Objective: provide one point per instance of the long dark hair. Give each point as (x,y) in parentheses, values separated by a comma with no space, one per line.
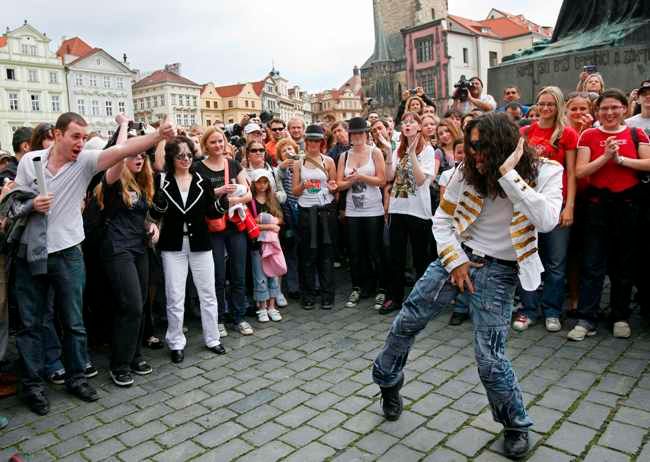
(172,148)
(498,137)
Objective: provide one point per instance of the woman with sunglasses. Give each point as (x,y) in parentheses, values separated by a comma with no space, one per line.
(314,183)
(124,196)
(214,169)
(552,139)
(183,200)
(611,155)
(256,160)
(411,168)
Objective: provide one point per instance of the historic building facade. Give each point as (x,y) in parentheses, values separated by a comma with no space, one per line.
(99,86)
(339,104)
(32,82)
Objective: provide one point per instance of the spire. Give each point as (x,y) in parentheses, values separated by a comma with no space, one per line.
(381,46)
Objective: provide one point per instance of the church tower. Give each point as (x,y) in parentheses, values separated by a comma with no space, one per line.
(383,75)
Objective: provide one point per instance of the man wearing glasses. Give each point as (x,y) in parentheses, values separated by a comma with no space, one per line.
(486,233)
(276,127)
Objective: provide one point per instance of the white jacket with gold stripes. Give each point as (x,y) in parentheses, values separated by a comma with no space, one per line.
(536,208)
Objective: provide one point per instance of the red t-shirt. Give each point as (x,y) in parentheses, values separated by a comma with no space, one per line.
(540,140)
(612,176)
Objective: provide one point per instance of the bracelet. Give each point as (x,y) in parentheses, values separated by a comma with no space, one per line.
(619,160)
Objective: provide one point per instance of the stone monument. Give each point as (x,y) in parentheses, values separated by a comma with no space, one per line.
(613,35)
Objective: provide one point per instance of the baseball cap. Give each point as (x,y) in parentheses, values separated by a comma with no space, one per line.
(260,173)
(645,86)
(251,127)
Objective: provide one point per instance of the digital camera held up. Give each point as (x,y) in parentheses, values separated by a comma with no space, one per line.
(462,89)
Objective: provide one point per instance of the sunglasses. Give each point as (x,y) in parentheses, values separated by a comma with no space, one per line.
(187,156)
(277,129)
(257,151)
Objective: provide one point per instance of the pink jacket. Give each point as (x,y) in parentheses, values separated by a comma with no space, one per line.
(273,262)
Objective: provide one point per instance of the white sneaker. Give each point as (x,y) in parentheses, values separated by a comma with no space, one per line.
(380,298)
(281,300)
(553,324)
(578,333)
(222,330)
(245,328)
(521,322)
(353,299)
(274,315)
(622,329)
(263,315)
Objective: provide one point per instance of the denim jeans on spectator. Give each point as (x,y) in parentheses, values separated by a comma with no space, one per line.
(490,307)
(553,247)
(264,287)
(610,246)
(235,243)
(66,276)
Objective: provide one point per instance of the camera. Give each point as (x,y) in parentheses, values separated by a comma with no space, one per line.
(237,141)
(462,89)
(413,91)
(138,127)
(590,68)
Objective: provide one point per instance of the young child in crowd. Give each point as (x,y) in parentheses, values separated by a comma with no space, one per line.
(459,156)
(266,288)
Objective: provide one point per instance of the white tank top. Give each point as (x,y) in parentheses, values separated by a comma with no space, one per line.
(316,192)
(362,199)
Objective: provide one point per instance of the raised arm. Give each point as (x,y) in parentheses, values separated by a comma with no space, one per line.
(113,173)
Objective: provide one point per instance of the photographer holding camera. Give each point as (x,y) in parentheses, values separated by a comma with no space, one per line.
(413,100)
(469,96)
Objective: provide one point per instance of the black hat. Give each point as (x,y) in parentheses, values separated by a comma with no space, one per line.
(314,132)
(357,125)
(645,86)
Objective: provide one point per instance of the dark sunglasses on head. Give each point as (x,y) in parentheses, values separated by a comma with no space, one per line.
(183,156)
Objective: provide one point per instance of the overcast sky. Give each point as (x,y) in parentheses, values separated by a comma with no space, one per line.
(313,43)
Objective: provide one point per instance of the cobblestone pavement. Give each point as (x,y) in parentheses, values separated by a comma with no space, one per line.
(300,390)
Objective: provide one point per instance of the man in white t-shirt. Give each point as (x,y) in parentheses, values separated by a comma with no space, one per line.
(475,99)
(486,235)
(642,120)
(58,264)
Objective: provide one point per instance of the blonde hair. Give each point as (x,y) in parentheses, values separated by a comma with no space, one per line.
(141,183)
(207,134)
(560,121)
(582,86)
(407,106)
(283,143)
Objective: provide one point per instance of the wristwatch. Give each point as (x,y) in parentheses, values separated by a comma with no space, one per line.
(619,160)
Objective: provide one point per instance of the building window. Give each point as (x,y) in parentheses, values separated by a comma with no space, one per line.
(207,104)
(162,100)
(252,104)
(107,81)
(11,74)
(465,56)
(494,58)
(93,80)
(120,83)
(13,101)
(36,103)
(174,99)
(99,62)
(32,75)
(121,106)
(33,50)
(179,121)
(192,119)
(54,77)
(246,103)
(215,104)
(424,79)
(187,100)
(155,101)
(208,122)
(194,101)
(148,102)
(230,104)
(56,103)
(109,108)
(186,120)
(94,108)
(24,48)
(433,13)
(79,80)
(81,106)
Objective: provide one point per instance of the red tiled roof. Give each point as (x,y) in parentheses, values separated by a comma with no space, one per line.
(502,28)
(74,46)
(228,91)
(161,76)
(258,87)
(3,41)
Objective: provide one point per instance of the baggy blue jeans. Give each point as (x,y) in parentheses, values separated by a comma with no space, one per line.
(66,276)
(553,248)
(490,308)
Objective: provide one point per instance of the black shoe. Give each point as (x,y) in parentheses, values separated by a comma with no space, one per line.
(90,371)
(218,349)
(83,391)
(57,378)
(458,318)
(122,378)
(177,356)
(392,403)
(308,306)
(515,443)
(326,306)
(389,307)
(37,401)
(141,368)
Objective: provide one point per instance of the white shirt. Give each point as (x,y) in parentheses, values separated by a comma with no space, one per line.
(418,202)
(64,223)
(638,121)
(490,234)
(467,106)
(446,176)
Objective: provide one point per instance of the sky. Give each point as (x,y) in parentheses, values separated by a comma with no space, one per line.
(314,44)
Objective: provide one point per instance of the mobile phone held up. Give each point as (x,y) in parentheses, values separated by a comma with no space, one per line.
(590,69)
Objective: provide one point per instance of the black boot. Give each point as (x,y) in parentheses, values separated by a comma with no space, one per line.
(515,443)
(392,403)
